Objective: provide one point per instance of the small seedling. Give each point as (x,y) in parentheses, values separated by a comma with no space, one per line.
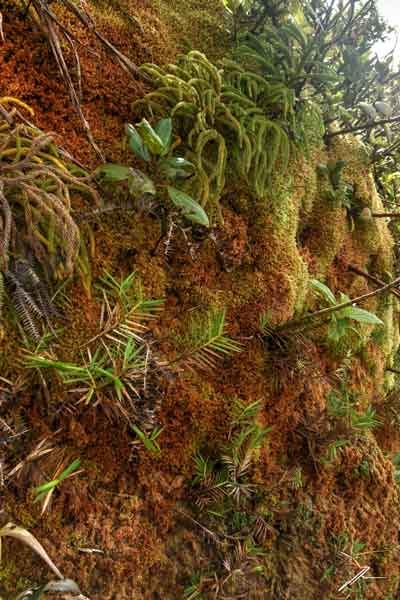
(149,441)
(45,491)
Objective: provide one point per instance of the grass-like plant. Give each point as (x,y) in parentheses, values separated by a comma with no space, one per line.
(110,375)
(228,475)
(117,371)
(149,441)
(342,405)
(44,492)
(225,494)
(126,313)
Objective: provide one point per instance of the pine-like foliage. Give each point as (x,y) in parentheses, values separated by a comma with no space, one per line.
(125,310)
(228,477)
(209,342)
(122,374)
(230,121)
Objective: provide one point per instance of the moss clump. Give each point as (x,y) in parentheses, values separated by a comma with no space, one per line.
(199,26)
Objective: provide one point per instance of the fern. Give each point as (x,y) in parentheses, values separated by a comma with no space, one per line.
(210,342)
(29,296)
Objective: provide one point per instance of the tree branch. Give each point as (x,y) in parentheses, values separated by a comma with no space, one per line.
(361,127)
(290,326)
(394,291)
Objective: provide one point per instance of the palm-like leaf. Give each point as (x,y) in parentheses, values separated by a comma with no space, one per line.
(210,342)
(131,312)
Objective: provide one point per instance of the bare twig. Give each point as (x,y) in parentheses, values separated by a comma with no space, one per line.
(332,134)
(379,282)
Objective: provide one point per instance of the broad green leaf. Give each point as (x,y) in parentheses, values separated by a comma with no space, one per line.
(190,208)
(360,315)
(136,143)
(323,169)
(150,137)
(176,168)
(140,184)
(164,130)
(114,172)
(324,290)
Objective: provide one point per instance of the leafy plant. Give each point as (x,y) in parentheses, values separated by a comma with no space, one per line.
(149,441)
(341,404)
(223,124)
(340,320)
(154,146)
(365,421)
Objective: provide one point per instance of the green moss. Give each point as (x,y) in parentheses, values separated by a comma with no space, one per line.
(200,26)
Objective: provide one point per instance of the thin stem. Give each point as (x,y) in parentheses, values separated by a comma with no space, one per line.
(362,127)
(372,278)
(331,309)
(395,215)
